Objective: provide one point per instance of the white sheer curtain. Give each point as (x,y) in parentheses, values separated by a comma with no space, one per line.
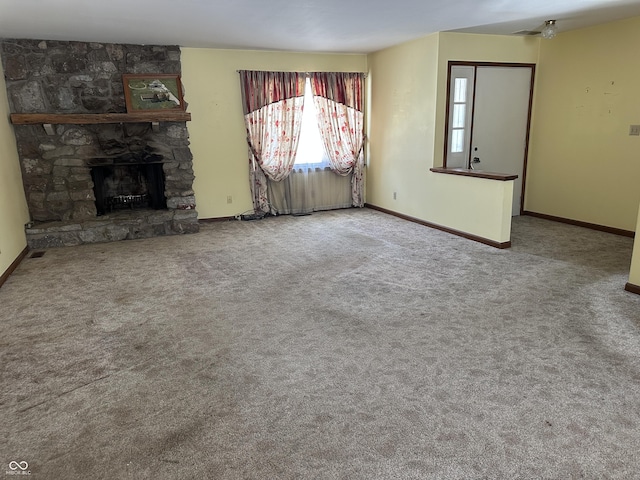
(310,190)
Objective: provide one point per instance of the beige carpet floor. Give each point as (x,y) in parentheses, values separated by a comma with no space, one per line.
(342,345)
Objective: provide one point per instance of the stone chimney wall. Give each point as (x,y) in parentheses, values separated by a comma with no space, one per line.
(77,77)
(45,76)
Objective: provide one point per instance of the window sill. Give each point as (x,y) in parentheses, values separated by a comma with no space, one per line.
(465,172)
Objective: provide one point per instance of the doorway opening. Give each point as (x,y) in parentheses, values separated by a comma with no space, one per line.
(488,118)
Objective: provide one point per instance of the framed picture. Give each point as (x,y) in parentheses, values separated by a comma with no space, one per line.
(152,92)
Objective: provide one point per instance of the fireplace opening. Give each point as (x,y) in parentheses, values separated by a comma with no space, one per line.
(128,186)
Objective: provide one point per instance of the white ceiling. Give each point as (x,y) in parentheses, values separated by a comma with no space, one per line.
(349,26)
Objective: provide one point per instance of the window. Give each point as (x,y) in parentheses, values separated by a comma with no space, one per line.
(460,110)
(310,147)
(459,115)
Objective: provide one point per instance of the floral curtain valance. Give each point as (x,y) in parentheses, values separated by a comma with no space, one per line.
(260,89)
(341,87)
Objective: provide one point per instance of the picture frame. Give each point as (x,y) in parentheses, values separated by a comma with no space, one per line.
(152,92)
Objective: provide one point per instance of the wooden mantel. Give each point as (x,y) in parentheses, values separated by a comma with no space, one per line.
(95,118)
(47,120)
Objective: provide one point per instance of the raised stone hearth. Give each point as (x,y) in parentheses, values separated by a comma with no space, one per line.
(121,225)
(69,170)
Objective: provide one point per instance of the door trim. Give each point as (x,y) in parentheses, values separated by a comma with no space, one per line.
(532,66)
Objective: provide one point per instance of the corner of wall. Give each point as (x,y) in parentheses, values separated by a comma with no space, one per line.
(13,204)
(634,272)
(582,162)
(217,131)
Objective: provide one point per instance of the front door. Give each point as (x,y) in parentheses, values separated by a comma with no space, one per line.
(500,120)
(497,107)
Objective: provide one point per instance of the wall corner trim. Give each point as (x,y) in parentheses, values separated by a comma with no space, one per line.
(216,219)
(453,231)
(5,276)
(579,223)
(630,287)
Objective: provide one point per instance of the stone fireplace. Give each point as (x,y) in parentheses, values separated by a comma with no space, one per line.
(88,183)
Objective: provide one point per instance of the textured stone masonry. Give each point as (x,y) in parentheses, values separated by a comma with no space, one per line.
(79,77)
(121,225)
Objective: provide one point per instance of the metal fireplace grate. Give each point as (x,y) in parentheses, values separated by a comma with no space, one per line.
(127,201)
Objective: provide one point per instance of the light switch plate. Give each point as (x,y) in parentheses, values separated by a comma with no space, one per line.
(634,130)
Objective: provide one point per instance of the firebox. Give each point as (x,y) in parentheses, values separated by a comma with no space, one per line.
(128,186)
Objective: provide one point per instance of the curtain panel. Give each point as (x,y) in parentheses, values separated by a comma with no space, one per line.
(338,98)
(272,104)
(309,190)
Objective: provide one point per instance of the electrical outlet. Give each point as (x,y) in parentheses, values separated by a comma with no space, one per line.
(229,199)
(394,195)
(634,130)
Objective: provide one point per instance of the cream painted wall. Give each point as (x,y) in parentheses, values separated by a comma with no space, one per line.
(406,138)
(403,82)
(13,205)
(583,164)
(217,132)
